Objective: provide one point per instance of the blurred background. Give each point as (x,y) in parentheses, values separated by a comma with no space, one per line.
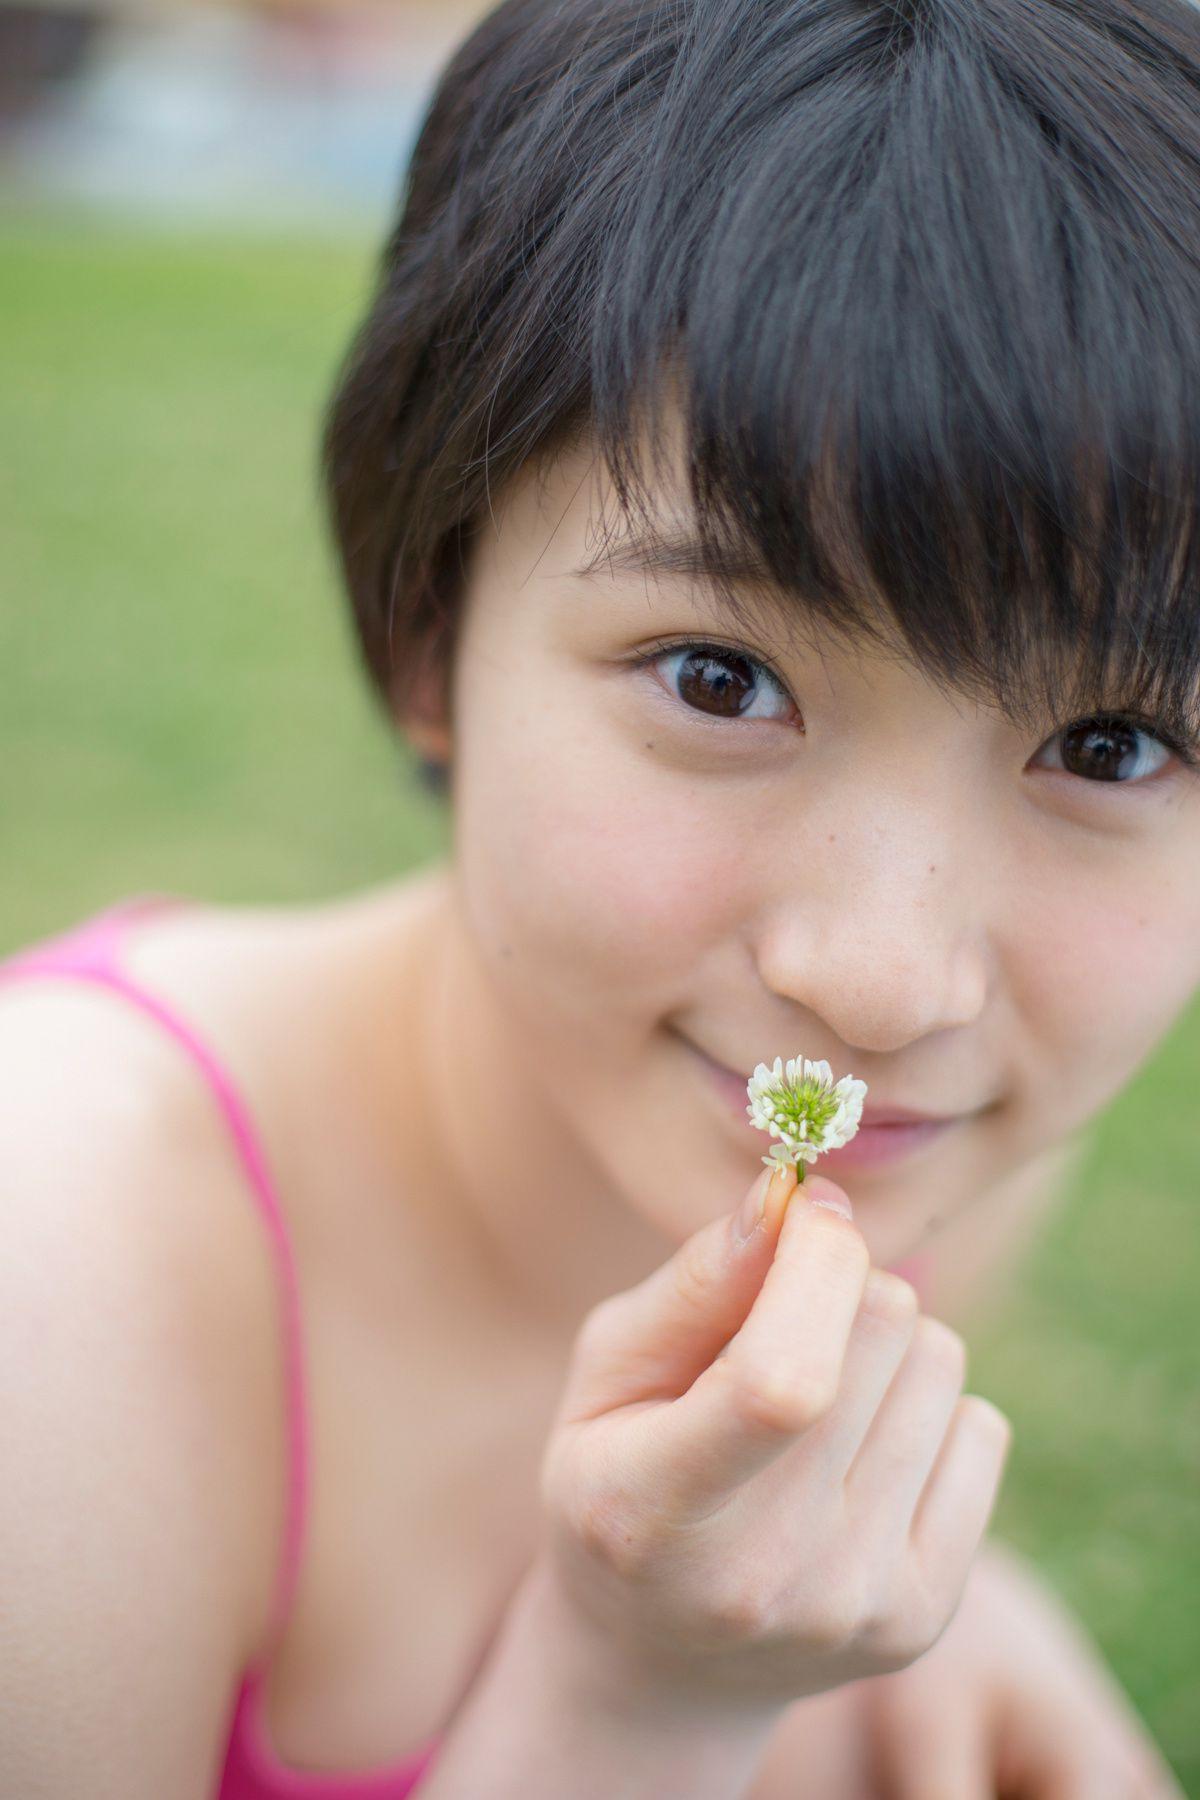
(191,199)
(191,203)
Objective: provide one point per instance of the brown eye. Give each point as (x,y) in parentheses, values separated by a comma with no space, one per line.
(719,683)
(1112,750)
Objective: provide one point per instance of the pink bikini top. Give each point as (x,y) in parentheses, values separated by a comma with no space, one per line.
(92,952)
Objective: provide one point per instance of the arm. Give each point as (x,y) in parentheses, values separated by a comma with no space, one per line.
(920,1722)
(542,1719)
(129,1530)
(1014,1698)
(536,1720)
(975,1259)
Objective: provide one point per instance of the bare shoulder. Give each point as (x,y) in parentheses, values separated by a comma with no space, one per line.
(139,1403)
(114,1158)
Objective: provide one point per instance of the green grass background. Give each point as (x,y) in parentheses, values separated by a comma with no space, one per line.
(182,709)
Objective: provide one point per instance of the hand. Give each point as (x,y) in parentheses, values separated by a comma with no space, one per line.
(1012,1700)
(762,1480)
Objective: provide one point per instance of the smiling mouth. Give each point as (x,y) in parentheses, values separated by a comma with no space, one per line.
(885,1132)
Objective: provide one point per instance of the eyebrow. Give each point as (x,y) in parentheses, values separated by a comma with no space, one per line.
(678,553)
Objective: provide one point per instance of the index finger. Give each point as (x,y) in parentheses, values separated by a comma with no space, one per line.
(777,1375)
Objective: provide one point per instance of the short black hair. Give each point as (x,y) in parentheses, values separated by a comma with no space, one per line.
(921,278)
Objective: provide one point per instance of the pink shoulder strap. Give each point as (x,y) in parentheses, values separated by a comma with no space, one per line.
(92,952)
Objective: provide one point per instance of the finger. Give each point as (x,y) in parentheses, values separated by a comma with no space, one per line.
(652,1340)
(907,1433)
(925,1744)
(780,1372)
(883,1329)
(956,1504)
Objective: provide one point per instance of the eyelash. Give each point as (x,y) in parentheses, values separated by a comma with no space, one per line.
(1188,755)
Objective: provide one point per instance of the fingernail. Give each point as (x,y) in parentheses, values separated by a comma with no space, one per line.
(752,1207)
(820,1192)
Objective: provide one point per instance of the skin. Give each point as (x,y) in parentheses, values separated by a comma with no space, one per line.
(868,870)
(1011,1700)
(865,870)
(484,1121)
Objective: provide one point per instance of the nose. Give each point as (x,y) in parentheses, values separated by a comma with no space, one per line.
(876,924)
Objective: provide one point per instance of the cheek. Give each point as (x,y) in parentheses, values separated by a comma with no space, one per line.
(597,871)
(1108,976)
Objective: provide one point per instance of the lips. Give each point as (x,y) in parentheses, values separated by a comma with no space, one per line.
(902,1115)
(883,1143)
(878,1114)
(884,1133)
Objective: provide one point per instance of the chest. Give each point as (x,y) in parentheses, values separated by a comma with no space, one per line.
(425,1436)
(423,1518)
(428,1415)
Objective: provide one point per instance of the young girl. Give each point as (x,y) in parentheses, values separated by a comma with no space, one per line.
(765,484)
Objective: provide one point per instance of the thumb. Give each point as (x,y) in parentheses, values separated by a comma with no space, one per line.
(651,1341)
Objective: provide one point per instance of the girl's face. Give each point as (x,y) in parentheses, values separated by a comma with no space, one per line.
(802,850)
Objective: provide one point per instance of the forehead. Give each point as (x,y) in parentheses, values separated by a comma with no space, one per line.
(564,531)
(562,523)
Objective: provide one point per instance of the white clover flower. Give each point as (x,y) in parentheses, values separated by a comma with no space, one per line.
(802,1105)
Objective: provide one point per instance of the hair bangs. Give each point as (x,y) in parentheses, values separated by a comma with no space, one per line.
(964,425)
(910,287)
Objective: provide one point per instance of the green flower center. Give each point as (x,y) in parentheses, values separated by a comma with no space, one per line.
(808,1102)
